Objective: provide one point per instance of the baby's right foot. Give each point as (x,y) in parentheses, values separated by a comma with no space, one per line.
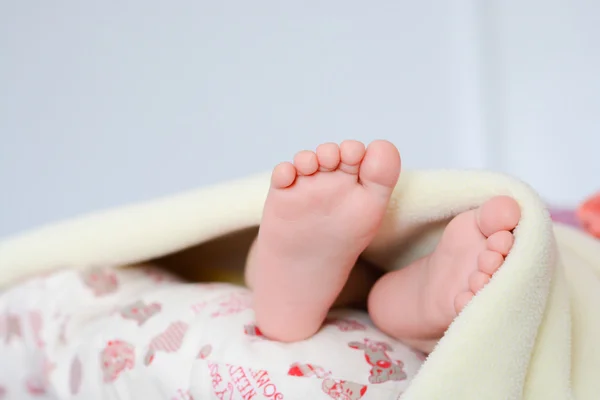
(320,214)
(418,302)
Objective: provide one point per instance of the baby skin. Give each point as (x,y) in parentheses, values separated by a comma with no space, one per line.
(324,209)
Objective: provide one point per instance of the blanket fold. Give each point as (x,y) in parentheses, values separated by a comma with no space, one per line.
(530,333)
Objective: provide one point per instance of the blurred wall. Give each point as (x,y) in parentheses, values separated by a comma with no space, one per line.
(108,102)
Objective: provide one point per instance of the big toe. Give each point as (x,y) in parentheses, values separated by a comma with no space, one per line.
(381,165)
(501,213)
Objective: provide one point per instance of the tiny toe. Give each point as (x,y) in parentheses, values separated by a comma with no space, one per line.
(351,154)
(461,300)
(501,213)
(501,242)
(489,261)
(306,162)
(284,175)
(328,155)
(478,280)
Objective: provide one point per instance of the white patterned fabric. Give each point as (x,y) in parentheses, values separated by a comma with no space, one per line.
(141,334)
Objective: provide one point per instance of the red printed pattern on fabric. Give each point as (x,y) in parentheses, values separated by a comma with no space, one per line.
(229,380)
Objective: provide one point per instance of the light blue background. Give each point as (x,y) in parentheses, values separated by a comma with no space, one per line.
(106,103)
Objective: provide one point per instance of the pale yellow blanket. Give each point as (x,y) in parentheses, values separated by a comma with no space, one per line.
(532,333)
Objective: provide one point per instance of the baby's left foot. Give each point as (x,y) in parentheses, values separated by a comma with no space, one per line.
(417,303)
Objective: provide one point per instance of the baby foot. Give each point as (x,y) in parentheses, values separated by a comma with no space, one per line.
(476,242)
(321,212)
(434,289)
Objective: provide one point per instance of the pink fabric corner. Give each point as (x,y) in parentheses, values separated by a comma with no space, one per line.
(565,216)
(589,215)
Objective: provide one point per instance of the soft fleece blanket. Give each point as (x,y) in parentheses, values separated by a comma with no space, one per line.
(531,333)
